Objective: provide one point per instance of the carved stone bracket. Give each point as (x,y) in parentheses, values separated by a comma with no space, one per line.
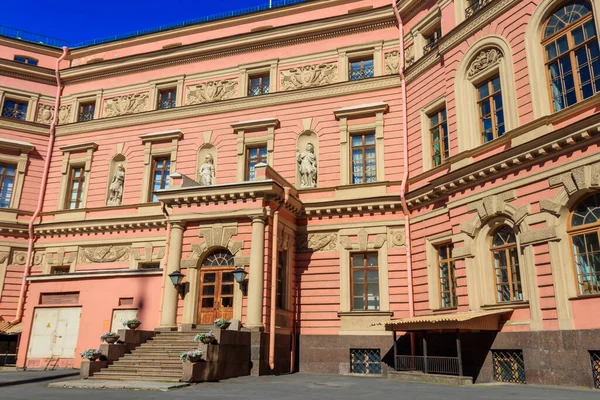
(147,252)
(317,242)
(60,257)
(392,63)
(209,92)
(127,104)
(309,76)
(581,178)
(484,60)
(104,254)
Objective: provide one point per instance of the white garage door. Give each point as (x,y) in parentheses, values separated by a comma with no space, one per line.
(54,332)
(120,316)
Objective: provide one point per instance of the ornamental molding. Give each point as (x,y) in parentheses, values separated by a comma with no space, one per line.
(409,56)
(25,126)
(20,258)
(127,104)
(64,114)
(236,104)
(77,227)
(147,252)
(465,30)
(517,157)
(485,59)
(212,91)
(577,179)
(397,238)
(381,19)
(309,76)
(392,63)
(104,254)
(495,206)
(362,242)
(4,256)
(27,72)
(61,257)
(316,242)
(216,236)
(45,114)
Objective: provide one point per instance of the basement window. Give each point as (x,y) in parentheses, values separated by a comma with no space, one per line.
(595,359)
(509,366)
(365,361)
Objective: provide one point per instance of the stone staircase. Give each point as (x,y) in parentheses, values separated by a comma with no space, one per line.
(155,360)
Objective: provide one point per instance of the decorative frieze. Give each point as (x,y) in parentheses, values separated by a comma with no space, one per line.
(484,60)
(127,104)
(392,63)
(148,253)
(209,92)
(315,242)
(20,258)
(64,114)
(45,114)
(309,76)
(104,254)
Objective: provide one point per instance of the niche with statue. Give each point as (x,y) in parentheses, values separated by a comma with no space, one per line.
(307,150)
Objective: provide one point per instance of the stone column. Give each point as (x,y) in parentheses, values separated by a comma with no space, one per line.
(168,317)
(256,274)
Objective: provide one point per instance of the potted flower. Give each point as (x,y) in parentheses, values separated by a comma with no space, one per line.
(132,324)
(206,338)
(91,354)
(222,323)
(110,337)
(191,356)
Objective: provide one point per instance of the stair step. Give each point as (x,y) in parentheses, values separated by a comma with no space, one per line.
(100,377)
(156,371)
(164,374)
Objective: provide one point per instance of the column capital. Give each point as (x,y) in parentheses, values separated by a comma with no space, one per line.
(178,224)
(259,217)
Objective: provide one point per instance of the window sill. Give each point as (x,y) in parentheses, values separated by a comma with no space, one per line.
(585,296)
(365,313)
(515,305)
(445,310)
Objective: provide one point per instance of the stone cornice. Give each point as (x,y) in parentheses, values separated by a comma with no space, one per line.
(13,229)
(516,158)
(28,72)
(24,126)
(30,47)
(458,35)
(76,147)
(361,206)
(237,104)
(361,110)
(98,274)
(224,47)
(256,124)
(24,147)
(162,136)
(90,226)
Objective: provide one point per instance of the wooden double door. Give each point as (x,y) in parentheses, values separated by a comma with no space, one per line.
(216,294)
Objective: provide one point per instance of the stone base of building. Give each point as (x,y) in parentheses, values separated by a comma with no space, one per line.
(259,354)
(430,378)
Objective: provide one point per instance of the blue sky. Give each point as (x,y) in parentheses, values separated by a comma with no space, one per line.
(77,21)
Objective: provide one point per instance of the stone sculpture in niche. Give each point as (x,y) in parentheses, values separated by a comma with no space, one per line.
(207,171)
(307,165)
(211,91)
(115,190)
(127,104)
(309,76)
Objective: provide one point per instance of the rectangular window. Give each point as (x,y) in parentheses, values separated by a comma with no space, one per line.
(7,183)
(161,169)
(281,279)
(15,109)
(60,270)
(595,359)
(365,361)
(362,68)
(59,298)
(586,249)
(364,165)
(440,146)
(167,98)
(254,155)
(86,111)
(432,39)
(26,60)
(259,84)
(446,270)
(509,366)
(491,109)
(365,282)
(152,265)
(75,188)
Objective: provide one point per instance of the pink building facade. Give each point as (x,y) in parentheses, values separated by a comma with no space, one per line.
(429,168)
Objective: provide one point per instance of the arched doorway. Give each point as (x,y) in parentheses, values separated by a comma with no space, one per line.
(216,287)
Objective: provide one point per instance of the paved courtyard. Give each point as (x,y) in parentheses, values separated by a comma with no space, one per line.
(301,386)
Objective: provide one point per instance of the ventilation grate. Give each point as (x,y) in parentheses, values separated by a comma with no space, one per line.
(365,361)
(509,366)
(595,358)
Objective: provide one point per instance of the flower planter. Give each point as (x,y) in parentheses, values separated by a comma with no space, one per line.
(208,340)
(111,339)
(134,325)
(224,326)
(194,359)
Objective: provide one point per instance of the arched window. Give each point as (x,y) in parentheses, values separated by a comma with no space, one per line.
(585,232)
(219,258)
(571,54)
(505,257)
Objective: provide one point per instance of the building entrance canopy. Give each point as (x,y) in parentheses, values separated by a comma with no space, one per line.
(472,320)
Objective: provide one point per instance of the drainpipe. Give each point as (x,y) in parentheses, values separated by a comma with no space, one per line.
(163,208)
(42,195)
(404,185)
(274,255)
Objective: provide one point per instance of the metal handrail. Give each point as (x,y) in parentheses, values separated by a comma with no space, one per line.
(430,46)
(58,43)
(430,365)
(476,6)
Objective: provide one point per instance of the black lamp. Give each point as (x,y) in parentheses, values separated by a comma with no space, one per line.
(176,279)
(239,274)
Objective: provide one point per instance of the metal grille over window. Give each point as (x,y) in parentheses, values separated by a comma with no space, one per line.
(361,69)
(475,6)
(595,358)
(259,85)
(509,366)
(167,99)
(365,361)
(86,112)
(14,109)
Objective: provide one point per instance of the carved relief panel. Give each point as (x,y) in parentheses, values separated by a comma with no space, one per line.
(316,242)
(209,92)
(126,104)
(392,63)
(309,76)
(104,254)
